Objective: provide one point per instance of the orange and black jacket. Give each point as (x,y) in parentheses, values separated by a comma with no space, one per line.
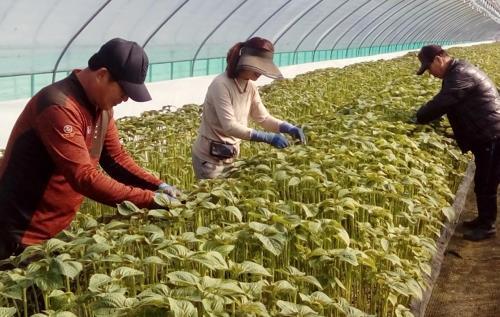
(50,164)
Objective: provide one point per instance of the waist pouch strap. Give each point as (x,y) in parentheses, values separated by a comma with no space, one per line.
(222,150)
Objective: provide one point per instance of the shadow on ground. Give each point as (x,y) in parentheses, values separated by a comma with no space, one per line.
(469,281)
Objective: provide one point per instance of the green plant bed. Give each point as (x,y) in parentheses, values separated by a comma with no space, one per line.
(344,226)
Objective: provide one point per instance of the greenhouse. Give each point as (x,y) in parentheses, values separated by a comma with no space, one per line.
(249,158)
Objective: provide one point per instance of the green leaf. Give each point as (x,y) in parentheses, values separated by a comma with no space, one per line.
(318,252)
(182,278)
(125,271)
(111,300)
(449,213)
(98,248)
(402,311)
(307,212)
(208,205)
(154,260)
(235,212)
(182,308)
(114,258)
(349,203)
(223,193)
(283,286)
(394,259)
(7,311)
(212,245)
(415,289)
(49,280)
(60,300)
(350,311)
(310,280)
(322,299)
(399,287)
(177,251)
(248,267)
(128,208)
(426,268)
(347,255)
(64,314)
(130,238)
(211,259)
(258,227)
(253,290)
(158,213)
(280,175)
(273,244)
(253,309)
(305,298)
(385,244)
(293,271)
(89,223)
(13,291)
(99,239)
(54,245)
(339,283)
(97,281)
(294,181)
(368,261)
(115,225)
(393,299)
(343,192)
(70,269)
(221,287)
(214,306)
(19,279)
(343,235)
(291,309)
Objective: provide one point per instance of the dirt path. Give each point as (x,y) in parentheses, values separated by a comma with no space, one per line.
(469,282)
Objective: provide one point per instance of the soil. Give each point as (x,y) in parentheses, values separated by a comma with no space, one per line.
(469,281)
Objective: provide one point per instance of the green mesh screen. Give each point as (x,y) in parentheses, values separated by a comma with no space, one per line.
(24,86)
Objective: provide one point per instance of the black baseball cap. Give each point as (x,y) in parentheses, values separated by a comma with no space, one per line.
(128,64)
(427,55)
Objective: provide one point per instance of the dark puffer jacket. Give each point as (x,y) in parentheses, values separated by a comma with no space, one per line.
(471,101)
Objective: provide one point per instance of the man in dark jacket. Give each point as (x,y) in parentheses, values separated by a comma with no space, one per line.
(471,101)
(64,132)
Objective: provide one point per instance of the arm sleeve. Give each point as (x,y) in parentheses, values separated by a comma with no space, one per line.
(259,114)
(225,113)
(60,129)
(454,89)
(121,166)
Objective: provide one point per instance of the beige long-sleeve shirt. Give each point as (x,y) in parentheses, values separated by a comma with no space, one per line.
(228,105)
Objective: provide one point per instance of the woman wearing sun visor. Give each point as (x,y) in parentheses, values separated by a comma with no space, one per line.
(232,98)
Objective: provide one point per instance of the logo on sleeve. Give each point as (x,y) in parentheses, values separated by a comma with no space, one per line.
(68,131)
(68,128)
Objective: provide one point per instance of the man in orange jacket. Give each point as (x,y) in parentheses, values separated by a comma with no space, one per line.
(64,132)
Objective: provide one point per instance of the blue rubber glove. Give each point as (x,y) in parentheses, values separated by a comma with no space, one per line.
(275,139)
(170,190)
(294,131)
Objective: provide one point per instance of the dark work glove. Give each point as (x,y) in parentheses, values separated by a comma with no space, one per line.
(294,131)
(275,139)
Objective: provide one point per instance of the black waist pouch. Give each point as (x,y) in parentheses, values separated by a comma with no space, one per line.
(222,150)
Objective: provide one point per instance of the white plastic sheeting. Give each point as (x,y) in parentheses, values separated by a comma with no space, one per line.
(176,93)
(44,36)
